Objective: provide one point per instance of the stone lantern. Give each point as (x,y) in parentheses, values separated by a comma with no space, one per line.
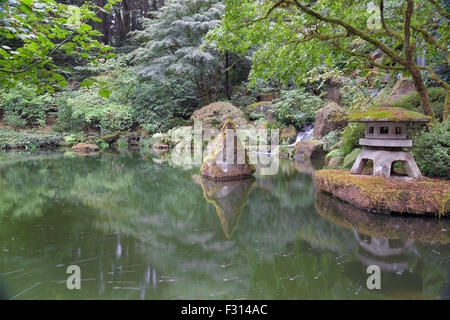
(385,138)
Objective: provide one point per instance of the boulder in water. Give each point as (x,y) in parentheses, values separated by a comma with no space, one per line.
(85,148)
(215,165)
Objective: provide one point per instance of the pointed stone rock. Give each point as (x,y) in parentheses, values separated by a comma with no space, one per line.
(223,163)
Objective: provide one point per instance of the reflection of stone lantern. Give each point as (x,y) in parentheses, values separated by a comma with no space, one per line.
(384,140)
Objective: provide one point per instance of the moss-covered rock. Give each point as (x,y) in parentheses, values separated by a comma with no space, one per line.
(288,135)
(402,87)
(85,148)
(388,114)
(215,114)
(111,138)
(215,165)
(329,118)
(309,150)
(425,196)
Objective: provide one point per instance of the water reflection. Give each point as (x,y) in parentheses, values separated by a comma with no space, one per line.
(387,242)
(145,230)
(228,197)
(381,226)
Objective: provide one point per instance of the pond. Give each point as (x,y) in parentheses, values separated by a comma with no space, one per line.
(140,227)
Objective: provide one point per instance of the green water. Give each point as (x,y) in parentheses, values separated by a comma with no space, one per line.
(141,228)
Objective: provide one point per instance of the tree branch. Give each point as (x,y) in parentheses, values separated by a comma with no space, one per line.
(439,9)
(391,33)
(367,57)
(352,30)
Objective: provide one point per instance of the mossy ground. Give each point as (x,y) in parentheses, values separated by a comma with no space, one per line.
(424,196)
(390,114)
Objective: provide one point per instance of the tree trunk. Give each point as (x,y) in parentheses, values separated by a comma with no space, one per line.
(133,15)
(227,89)
(120,27)
(126,16)
(447,104)
(422,91)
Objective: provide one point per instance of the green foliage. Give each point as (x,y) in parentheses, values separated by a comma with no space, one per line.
(240,100)
(288,39)
(171,44)
(43,28)
(22,106)
(296,107)
(412,101)
(74,138)
(350,136)
(431,150)
(350,159)
(102,144)
(335,153)
(156,104)
(122,144)
(87,108)
(10,139)
(329,140)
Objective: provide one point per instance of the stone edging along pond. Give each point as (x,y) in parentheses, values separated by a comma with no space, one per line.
(425,196)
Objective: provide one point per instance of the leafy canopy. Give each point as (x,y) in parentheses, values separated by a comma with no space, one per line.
(32,32)
(293,37)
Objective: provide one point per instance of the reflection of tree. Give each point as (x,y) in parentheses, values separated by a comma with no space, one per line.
(170,243)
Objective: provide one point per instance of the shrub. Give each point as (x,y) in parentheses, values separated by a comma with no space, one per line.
(296,107)
(412,101)
(350,137)
(85,107)
(155,103)
(14,120)
(23,102)
(431,150)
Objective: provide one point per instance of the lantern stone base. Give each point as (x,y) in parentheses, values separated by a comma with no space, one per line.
(383,160)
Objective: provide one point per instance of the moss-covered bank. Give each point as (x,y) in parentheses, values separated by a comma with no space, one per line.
(425,196)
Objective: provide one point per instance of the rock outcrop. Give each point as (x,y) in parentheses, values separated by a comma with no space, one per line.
(329,118)
(111,138)
(266,108)
(288,135)
(85,148)
(402,87)
(215,114)
(222,163)
(309,150)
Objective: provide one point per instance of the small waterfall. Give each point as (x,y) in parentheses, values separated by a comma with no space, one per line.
(305,134)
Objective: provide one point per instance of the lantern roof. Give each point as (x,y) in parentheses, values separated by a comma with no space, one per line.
(381,114)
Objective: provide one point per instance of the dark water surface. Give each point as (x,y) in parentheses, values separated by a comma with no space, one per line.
(141,228)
